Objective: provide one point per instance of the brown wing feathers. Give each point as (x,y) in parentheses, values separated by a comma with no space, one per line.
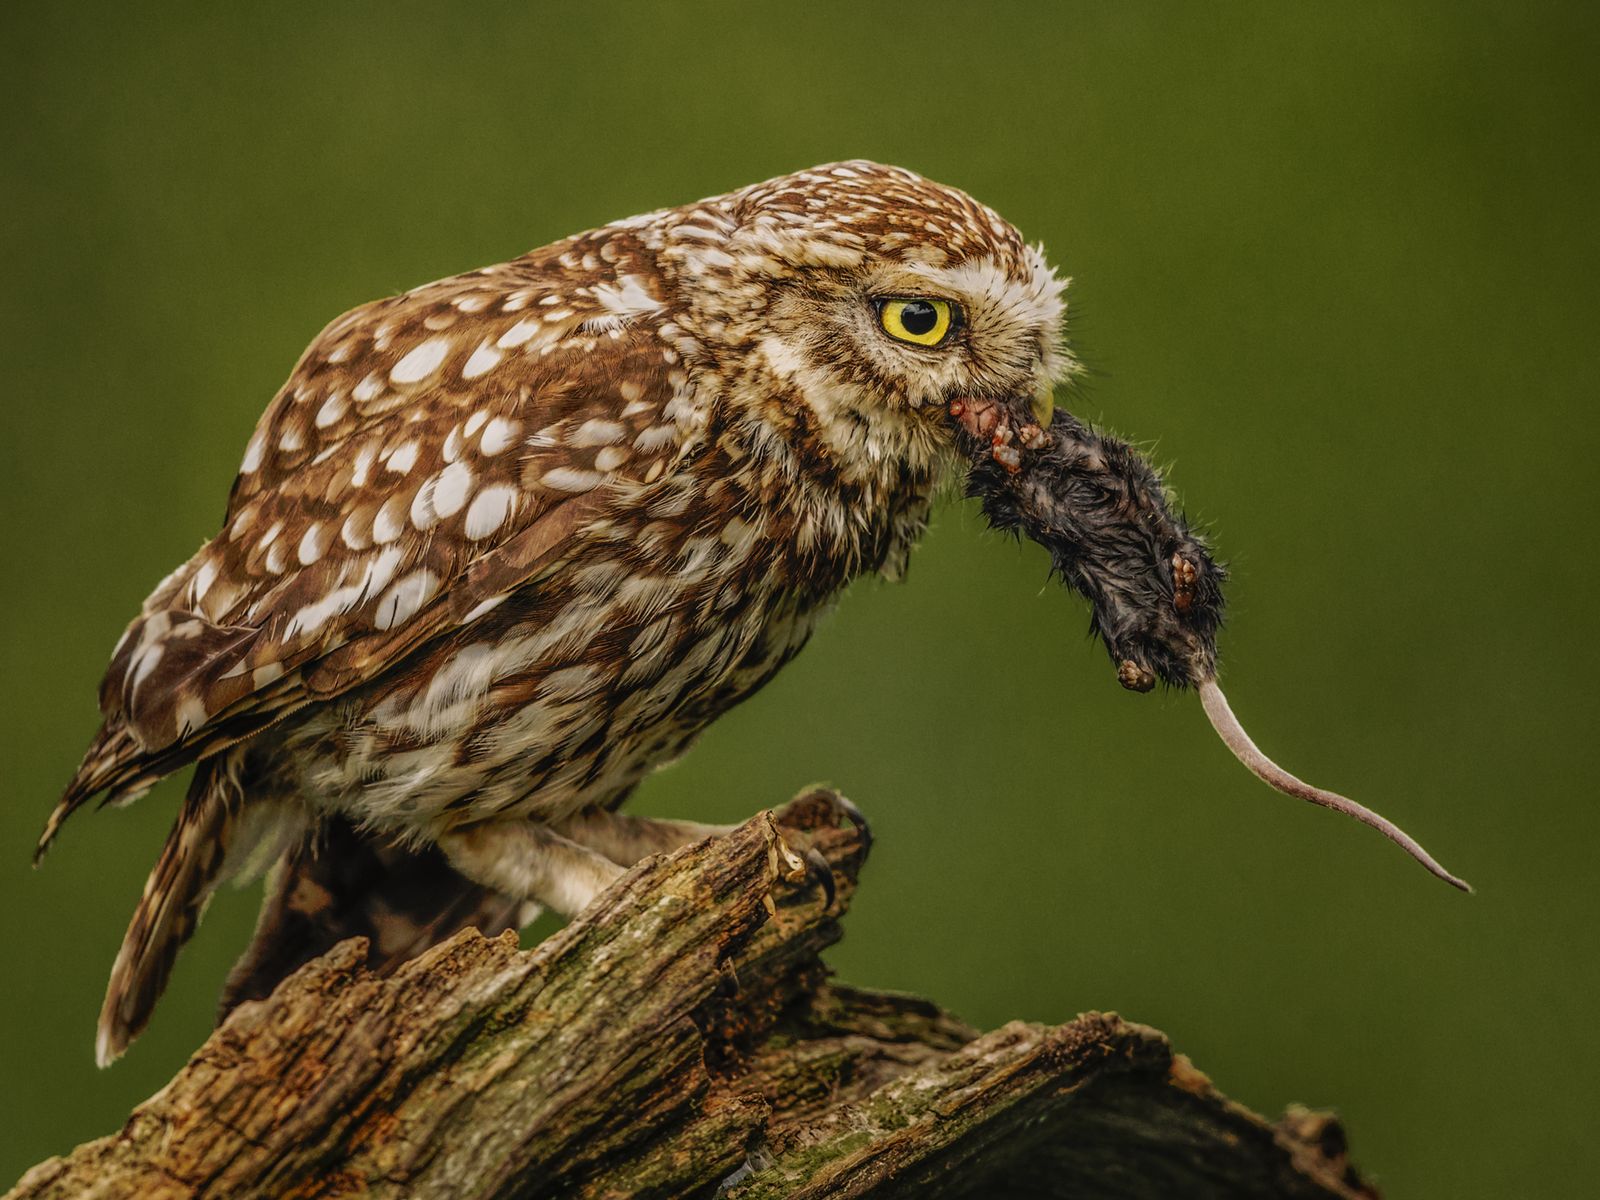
(418,461)
(429,453)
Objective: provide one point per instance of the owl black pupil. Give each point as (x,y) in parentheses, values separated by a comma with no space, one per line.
(919,317)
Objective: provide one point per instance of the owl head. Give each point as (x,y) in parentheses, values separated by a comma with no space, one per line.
(870,297)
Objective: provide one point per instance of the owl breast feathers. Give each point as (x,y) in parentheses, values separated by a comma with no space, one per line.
(505,543)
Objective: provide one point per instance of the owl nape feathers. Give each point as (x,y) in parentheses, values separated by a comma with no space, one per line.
(503,545)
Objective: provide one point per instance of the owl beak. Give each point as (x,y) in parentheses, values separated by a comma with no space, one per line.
(1043,406)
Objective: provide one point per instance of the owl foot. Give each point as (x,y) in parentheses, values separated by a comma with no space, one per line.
(783,863)
(808,815)
(530,862)
(625,839)
(823,808)
(821,874)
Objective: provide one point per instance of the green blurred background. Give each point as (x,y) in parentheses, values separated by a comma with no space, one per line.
(1336,264)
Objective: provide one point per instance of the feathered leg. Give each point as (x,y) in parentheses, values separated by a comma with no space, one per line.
(530,862)
(625,839)
(338,883)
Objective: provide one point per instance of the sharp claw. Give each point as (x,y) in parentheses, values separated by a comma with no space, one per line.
(857,818)
(818,869)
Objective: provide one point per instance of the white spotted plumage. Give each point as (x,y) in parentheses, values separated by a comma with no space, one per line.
(505,543)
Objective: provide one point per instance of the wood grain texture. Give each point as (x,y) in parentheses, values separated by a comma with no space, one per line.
(681,1040)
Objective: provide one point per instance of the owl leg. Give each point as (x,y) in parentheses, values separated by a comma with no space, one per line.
(625,839)
(530,862)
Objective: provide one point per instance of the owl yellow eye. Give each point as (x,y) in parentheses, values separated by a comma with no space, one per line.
(920,322)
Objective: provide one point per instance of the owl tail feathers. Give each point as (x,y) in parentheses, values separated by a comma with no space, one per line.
(340,882)
(175,897)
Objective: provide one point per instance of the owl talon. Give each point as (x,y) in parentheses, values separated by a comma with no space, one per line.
(821,874)
(848,810)
(795,862)
(824,808)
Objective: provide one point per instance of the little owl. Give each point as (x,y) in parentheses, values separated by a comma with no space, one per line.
(506,543)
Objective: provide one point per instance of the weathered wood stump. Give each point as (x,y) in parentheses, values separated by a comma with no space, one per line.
(681,1039)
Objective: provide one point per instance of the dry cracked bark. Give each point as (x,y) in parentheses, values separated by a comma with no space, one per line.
(680,1040)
